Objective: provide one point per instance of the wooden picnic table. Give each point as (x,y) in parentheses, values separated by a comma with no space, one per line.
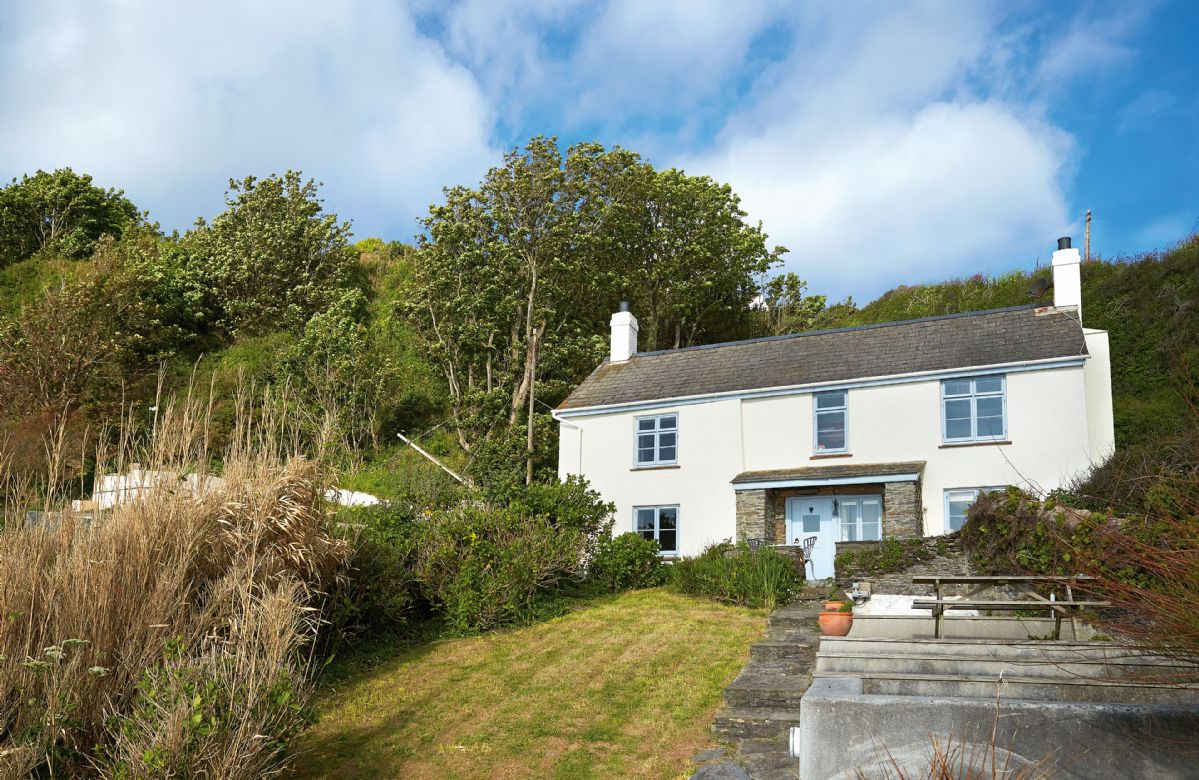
(1025,585)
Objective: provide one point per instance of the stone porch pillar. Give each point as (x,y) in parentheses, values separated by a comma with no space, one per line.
(751,514)
(901,510)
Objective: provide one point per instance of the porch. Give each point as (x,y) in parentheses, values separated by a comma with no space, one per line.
(850,502)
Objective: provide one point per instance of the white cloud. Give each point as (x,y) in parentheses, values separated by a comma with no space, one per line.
(170,100)
(871,156)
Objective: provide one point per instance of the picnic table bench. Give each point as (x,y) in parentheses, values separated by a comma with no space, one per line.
(1025,585)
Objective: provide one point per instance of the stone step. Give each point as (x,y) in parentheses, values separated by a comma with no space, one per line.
(775,687)
(1043,650)
(768,759)
(1127,669)
(793,620)
(775,649)
(1017,687)
(754,722)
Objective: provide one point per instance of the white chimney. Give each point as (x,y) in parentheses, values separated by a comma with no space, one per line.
(624,334)
(1067,283)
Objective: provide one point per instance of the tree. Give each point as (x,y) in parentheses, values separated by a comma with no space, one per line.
(514,281)
(786,308)
(273,258)
(689,260)
(61,212)
(341,377)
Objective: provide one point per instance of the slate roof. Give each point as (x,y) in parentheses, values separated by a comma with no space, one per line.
(882,470)
(930,344)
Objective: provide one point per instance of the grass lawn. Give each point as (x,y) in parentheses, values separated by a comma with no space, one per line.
(625,686)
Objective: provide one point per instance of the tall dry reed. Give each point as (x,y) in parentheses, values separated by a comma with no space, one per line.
(167,635)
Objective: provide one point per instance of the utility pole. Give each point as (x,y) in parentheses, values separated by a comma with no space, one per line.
(1086,254)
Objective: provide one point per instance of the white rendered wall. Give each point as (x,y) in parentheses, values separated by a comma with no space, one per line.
(709,457)
(1098,374)
(1048,414)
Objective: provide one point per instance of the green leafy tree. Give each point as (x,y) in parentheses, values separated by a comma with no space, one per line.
(687,259)
(341,375)
(515,280)
(785,307)
(60,212)
(273,258)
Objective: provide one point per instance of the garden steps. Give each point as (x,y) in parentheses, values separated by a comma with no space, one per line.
(762,703)
(754,722)
(1025,670)
(1128,669)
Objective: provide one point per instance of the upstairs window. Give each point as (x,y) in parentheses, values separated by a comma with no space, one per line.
(660,523)
(974,409)
(831,424)
(658,440)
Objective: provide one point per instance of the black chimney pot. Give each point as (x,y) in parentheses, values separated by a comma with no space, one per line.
(624,305)
(1063,242)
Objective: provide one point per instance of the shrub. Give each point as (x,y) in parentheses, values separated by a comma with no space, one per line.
(626,561)
(379,592)
(735,574)
(484,566)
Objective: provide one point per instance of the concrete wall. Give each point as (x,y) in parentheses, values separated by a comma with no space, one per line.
(1049,415)
(843,732)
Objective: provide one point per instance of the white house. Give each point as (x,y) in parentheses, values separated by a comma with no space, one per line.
(881,431)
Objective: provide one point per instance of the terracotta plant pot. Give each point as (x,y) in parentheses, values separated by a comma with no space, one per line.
(835,623)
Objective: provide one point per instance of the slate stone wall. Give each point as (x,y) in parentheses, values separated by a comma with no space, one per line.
(901,511)
(945,559)
(751,514)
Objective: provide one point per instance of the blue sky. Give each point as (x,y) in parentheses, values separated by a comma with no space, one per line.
(882,143)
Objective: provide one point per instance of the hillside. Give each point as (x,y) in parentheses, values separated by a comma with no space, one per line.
(1148,304)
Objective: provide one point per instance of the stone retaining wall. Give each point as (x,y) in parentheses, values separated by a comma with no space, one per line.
(943,556)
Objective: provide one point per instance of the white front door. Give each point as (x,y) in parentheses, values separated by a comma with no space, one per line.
(809,516)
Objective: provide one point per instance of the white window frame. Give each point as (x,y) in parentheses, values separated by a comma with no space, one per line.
(841,535)
(678,522)
(974,494)
(657,434)
(973,397)
(843,409)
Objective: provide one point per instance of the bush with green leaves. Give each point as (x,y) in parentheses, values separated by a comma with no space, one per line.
(626,561)
(735,574)
(379,594)
(483,566)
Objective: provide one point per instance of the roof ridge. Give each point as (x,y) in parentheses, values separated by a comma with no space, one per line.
(826,331)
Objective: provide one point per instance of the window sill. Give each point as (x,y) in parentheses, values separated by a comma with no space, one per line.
(951,444)
(822,455)
(655,468)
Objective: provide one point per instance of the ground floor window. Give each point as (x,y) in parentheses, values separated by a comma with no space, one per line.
(860,518)
(958,502)
(660,523)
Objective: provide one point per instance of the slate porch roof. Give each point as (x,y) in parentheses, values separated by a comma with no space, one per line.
(840,471)
(953,341)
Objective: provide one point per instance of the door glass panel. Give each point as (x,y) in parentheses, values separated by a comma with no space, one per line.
(871,520)
(849,520)
(811,524)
